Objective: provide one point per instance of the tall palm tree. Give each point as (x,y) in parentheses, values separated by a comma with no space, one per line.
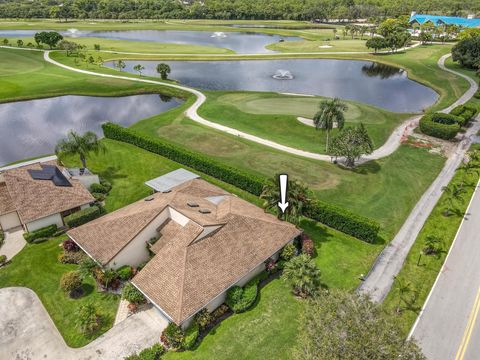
(331,111)
(298,197)
(81,145)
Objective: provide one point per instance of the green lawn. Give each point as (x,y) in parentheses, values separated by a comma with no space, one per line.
(25,75)
(274,117)
(38,268)
(422,276)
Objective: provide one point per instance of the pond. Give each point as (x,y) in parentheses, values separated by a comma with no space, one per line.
(32,128)
(240,42)
(368,82)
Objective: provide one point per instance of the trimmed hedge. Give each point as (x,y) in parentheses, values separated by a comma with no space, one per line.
(241,299)
(83,216)
(343,220)
(340,219)
(44,232)
(465,112)
(99,188)
(125,272)
(443,126)
(230,175)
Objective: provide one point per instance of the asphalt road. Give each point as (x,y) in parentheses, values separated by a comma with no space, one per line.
(448,327)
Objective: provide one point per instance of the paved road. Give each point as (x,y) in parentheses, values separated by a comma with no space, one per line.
(28,333)
(389,263)
(449,327)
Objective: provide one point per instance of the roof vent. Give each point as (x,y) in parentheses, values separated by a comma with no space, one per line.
(150,198)
(204,211)
(192,204)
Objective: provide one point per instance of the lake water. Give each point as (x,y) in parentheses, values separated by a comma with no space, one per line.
(32,128)
(380,85)
(240,42)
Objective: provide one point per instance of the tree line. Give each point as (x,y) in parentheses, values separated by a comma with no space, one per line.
(230,9)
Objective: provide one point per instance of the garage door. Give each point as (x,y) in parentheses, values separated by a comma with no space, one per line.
(10,221)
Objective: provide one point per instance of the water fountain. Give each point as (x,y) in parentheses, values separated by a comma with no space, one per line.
(73,33)
(283,75)
(219,34)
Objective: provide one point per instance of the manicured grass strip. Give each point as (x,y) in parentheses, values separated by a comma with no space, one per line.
(421,277)
(38,268)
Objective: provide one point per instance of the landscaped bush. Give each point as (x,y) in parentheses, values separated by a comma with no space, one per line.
(132,294)
(154,352)
(464,112)
(125,272)
(70,245)
(44,232)
(88,318)
(220,311)
(442,126)
(343,220)
(99,188)
(241,299)
(288,252)
(71,257)
(173,336)
(196,161)
(83,216)
(2,237)
(106,185)
(70,281)
(100,197)
(3,259)
(191,336)
(203,318)
(333,216)
(477,95)
(308,246)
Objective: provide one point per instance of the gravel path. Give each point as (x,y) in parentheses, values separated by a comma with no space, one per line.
(389,263)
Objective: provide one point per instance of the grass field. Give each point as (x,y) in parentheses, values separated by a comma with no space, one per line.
(25,75)
(38,268)
(274,117)
(420,275)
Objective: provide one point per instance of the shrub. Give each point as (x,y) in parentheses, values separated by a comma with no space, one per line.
(70,245)
(467,52)
(99,188)
(87,267)
(477,95)
(154,352)
(106,185)
(3,259)
(302,273)
(343,220)
(44,232)
(99,197)
(196,161)
(132,294)
(203,318)
(39,240)
(464,112)
(83,216)
(335,217)
(443,127)
(2,237)
(70,281)
(308,246)
(71,257)
(191,336)
(88,318)
(220,311)
(288,252)
(241,299)
(125,272)
(173,335)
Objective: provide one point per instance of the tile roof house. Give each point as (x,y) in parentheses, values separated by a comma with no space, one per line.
(38,194)
(203,240)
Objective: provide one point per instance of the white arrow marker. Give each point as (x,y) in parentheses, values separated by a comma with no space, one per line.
(283,204)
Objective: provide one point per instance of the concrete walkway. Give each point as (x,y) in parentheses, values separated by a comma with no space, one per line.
(14,242)
(27,332)
(389,263)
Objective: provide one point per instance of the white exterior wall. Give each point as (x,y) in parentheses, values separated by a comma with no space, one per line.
(46,221)
(10,221)
(136,251)
(249,276)
(178,217)
(88,180)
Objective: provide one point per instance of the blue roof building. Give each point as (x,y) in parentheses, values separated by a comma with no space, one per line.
(444,20)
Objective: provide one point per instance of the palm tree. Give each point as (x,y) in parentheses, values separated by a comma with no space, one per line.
(81,145)
(403,290)
(454,192)
(298,197)
(331,111)
(163,69)
(303,274)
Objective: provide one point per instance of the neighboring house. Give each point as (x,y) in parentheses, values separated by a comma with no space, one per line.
(421,19)
(198,239)
(37,194)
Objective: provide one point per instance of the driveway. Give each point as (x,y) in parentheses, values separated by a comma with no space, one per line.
(14,242)
(448,327)
(28,333)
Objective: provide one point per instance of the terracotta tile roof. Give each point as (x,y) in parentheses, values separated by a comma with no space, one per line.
(35,199)
(6,202)
(190,268)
